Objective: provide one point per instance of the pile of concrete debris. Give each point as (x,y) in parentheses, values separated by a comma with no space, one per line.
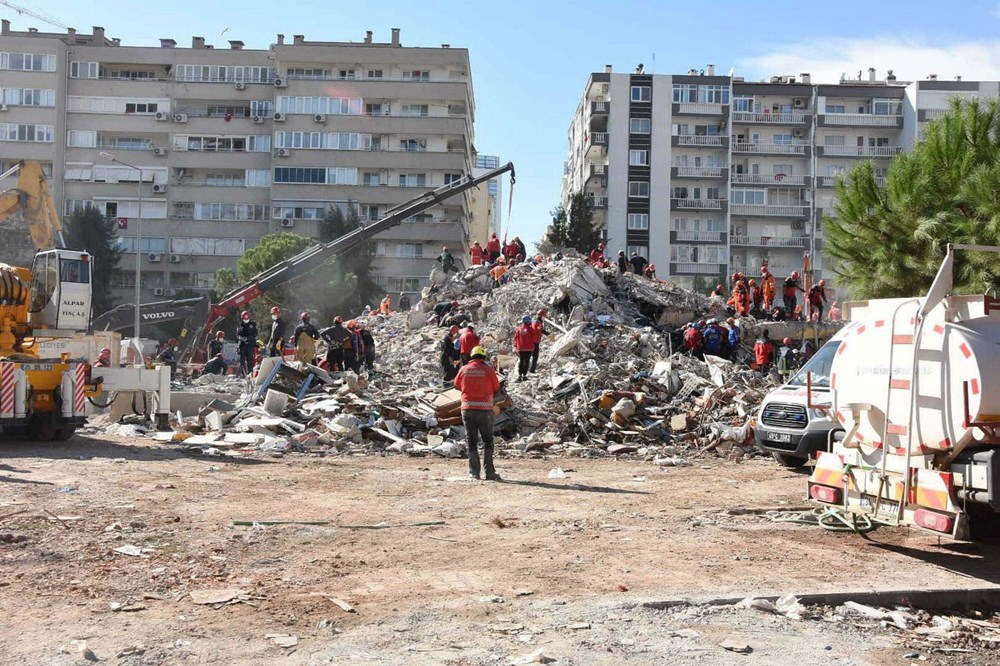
(610,380)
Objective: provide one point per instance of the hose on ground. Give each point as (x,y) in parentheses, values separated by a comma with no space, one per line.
(829,518)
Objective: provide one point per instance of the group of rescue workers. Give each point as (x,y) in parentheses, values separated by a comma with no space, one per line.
(746,296)
(636,263)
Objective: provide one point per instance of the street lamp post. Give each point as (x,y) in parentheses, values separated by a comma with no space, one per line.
(138,244)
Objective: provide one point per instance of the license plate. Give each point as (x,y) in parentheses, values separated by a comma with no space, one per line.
(778,437)
(886,507)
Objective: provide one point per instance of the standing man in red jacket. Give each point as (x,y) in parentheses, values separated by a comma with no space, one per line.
(476,252)
(478,383)
(524,345)
(466,342)
(540,333)
(493,248)
(763,351)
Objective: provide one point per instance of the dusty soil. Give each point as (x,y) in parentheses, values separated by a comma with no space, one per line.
(526,564)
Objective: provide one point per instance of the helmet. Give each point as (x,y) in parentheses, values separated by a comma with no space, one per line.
(470,327)
(730,321)
(304,316)
(276,310)
(476,243)
(787,341)
(543,313)
(698,325)
(106,351)
(453,330)
(735,277)
(172,342)
(246,315)
(220,334)
(752,282)
(718,287)
(763,270)
(478,352)
(795,274)
(526,319)
(338,320)
(454,304)
(634,253)
(501,260)
(444,249)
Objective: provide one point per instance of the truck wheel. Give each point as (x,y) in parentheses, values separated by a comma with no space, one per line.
(65,432)
(786,460)
(42,431)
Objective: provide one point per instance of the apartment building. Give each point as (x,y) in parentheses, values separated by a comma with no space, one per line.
(226,145)
(705,174)
(487,206)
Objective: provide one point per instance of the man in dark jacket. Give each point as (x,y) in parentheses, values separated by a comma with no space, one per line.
(404,303)
(334,337)
(246,336)
(368,341)
(304,339)
(450,358)
(447,261)
(638,263)
(442,309)
(279,329)
(622,262)
(789,293)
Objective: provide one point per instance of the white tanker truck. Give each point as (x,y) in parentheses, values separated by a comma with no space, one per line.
(913,410)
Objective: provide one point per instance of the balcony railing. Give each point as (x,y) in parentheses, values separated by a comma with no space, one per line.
(826,181)
(599,203)
(599,138)
(763,179)
(698,268)
(861,151)
(700,140)
(769,241)
(706,109)
(698,172)
(770,148)
(698,204)
(705,236)
(861,120)
(598,170)
(600,107)
(769,210)
(757,117)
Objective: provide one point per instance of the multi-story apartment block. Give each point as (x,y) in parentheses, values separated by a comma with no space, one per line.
(706,175)
(233,144)
(486,200)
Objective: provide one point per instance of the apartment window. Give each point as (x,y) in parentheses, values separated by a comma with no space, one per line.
(258,177)
(415,110)
(679,193)
(744,196)
(28,62)
(231,212)
(116,105)
(26,133)
(220,247)
(638,157)
(299,212)
(642,93)
(342,176)
(374,73)
(318,176)
(257,143)
(743,104)
(368,212)
(887,107)
(413,145)
(28,97)
(323,140)
(712,193)
(307,73)
(371,178)
(126,143)
(345,74)
(141,107)
(879,141)
(417,75)
(224,180)
(157,244)
(639,125)
(376,109)
(782,169)
(638,221)
(263,108)
(223,111)
(130,75)
(81,139)
(835,108)
(412,180)
(122,174)
(713,94)
(641,250)
(685,92)
(638,188)
(783,139)
(834,170)
(451,178)
(340,106)
(834,140)
(410,250)
(224,73)
(151,210)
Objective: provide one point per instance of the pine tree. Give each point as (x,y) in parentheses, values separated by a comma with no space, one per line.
(88,229)
(581,232)
(556,237)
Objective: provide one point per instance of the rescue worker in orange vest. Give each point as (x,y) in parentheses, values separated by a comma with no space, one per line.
(740,300)
(493,248)
(540,333)
(763,351)
(524,345)
(386,305)
(476,252)
(466,342)
(768,290)
(597,255)
(479,384)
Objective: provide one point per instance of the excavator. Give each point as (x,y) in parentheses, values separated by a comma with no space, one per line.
(45,398)
(192,346)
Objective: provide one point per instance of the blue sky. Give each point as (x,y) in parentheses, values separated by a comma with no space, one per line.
(530,60)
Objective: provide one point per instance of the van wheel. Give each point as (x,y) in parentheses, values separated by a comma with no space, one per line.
(786,460)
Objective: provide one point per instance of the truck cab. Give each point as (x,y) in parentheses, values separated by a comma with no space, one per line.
(791,426)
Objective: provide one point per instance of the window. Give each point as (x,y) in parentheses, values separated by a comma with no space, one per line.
(299,212)
(887,107)
(222,247)
(157,244)
(450,178)
(835,108)
(345,74)
(230,212)
(339,106)
(81,139)
(782,169)
(307,73)
(376,109)
(224,73)
(743,104)
(417,75)
(371,178)
(77,204)
(833,140)
(638,157)
(639,125)
(224,180)
(116,105)
(28,97)
(413,145)
(412,180)
(323,140)
(368,212)
(151,210)
(879,141)
(140,107)
(638,221)
(26,133)
(834,170)
(641,250)
(316,176)
(744,196)
(374,73)
(342,176)
(783,139)
(415,110)
(28,62)
(685,92)
(257,143)
(638,188)
(258,177)
(678,193)
(713,94)
(225,111)
(263,108)
(130,75)
(642,93)
(410,250)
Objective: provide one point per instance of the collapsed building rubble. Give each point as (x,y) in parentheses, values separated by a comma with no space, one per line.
(611,380)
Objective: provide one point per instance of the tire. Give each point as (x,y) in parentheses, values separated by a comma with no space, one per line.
(65,432)
(42,431)
(790,461)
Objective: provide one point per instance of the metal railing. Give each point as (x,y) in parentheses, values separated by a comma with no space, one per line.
(769,241)
(707,236)
(600,107)
(694,107)
(767,117)
(861,151)
(770,148)
(599,138)
(700,140)
(704,269)
(599,203)
(768,210)
(861,119)
(698,204)
(763,179)
(703,172)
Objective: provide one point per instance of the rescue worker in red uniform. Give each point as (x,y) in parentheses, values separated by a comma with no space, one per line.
(524,345)
(476,252)
(540,333)
(763,351)
(597,255)
(466,343)
(493,248)
(692,339)
(479,384)
(817,300)
(788,293)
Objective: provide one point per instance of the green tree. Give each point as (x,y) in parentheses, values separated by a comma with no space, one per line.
(88,229)
(581,232)
(272,249)
(556,236)
(888,239)
(349,284)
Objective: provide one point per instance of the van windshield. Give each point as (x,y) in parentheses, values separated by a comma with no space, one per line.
(819,365)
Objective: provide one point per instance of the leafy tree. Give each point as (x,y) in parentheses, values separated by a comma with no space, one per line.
(88,229)
(581,232)
(349,282)
(888,240)
(271,249)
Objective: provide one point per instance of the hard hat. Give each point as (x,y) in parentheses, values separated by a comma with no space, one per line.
(600,245)
(526,319)
(730,321)
(718,287)
(106,351)
(338,320)
(453,330)
(752,282)
(763,270)
(478,352)
(698,325)
(245,315)
(476,243)
(276,310)
(470,326)
(795,274)
(454,304)
(501,260)
(220,334)
(304,316)
(543,313)
(786,341)
(735,277)
(172,341)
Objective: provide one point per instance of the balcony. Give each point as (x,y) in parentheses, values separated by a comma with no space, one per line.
(831,181)
(763,179)
(769,241)
(699,109)
(697,172)
(599,203)
(600,108)
(599,139)
(771,148)
(597,171)
(767,118)
(697,204)
(699,140)
(769,210)
(859,120)
(697,269)
(686,235)
(859,151)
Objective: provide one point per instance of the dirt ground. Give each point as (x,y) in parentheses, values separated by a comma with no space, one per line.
(529,564)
